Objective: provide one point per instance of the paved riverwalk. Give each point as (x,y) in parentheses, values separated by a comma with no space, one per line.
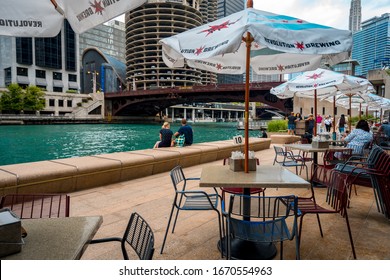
(196,233)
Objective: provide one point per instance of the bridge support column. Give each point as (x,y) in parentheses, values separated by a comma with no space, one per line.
(193,115)
(185,113)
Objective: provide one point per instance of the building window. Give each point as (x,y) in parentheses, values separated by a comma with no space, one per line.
(21,71)
(7,76)
(57,76)
(48,52)
(24,51)
(323,110)
(72,78)
(60,103)
(70,47)
(40,74)
(57,89)
(69,103)
(52,102)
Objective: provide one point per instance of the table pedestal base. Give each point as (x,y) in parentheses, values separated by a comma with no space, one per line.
(247,250)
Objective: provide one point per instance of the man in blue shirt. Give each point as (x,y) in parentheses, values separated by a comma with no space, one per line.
(385,128)
(187,131)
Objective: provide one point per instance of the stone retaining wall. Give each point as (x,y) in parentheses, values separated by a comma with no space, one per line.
(73,174)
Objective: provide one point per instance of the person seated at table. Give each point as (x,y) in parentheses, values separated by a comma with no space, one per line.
(385,128)
(358,138)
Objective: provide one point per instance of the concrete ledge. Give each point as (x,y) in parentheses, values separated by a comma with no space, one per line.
(284,139)
(73,174)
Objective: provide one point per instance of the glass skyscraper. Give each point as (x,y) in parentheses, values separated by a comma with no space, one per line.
(371,45)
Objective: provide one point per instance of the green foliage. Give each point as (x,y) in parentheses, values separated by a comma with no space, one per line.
(355,119)
(16,99)
(277,125)
(71,91)
(34,99)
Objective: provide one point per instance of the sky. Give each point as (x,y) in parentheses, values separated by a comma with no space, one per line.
(333,13)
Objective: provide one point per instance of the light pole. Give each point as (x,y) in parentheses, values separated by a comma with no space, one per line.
(94,74)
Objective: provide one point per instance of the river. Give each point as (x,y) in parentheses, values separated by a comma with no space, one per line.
(29,143)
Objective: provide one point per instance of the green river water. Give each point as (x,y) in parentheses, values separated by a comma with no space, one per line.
(29,143)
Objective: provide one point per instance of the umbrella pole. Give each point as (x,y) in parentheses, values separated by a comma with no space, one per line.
(315,112)
(360,111)
(334,118)
(248,41)
(350,113)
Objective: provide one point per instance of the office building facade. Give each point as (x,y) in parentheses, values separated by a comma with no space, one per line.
(50,63)
(371,45)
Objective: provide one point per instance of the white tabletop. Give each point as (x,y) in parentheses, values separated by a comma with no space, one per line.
(266,176)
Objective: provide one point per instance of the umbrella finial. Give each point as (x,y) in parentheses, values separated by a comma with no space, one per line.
(249,4)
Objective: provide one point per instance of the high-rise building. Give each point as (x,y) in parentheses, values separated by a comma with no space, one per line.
(156,20)
(103,57)
(109,38)
(50,63)
(355,16)
(371,45)
(228,7)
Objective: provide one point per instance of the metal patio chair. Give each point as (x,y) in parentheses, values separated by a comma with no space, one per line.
(337,197)
(35,206)
(190,200)
(240,190)
(270,219)
(138,235)
(289,159)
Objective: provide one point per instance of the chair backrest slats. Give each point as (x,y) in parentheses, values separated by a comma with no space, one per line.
(32,206)
(140,237)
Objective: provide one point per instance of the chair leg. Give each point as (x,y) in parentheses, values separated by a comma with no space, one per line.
(350,235)
(319,224)
(281,250)
(220,230)
(166,231)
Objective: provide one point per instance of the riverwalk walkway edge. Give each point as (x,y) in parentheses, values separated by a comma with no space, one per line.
(78,173)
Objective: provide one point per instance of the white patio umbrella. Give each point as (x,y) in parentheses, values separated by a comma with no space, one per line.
(370,101)
(268,42)
(321,83)
(44,18)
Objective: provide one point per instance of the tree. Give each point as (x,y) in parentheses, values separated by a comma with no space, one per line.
(33,99)
(12,100)
(16,99)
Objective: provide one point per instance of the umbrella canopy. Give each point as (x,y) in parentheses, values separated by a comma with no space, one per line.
(44,18)
(321,83)
(280,44)
(268,42)
(369,102)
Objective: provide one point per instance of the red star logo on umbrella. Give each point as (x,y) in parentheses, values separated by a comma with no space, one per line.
(219,66)
(315,76)
(98,7)
(218,27)
(300,45)
(280,68)
(199,51)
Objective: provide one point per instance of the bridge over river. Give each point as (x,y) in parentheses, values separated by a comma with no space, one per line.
(152,101)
